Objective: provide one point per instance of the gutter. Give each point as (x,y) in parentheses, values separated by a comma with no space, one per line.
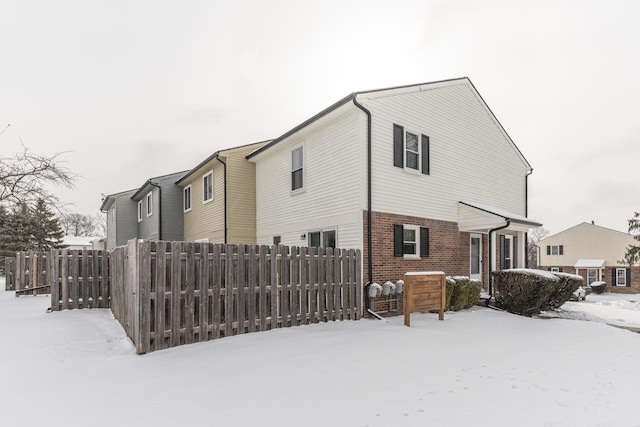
(369,243)
(224,166)
(491,256)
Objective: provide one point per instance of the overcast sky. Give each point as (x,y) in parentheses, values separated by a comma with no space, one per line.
(135,89)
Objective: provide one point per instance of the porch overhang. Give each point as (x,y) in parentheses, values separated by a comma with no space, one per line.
(479,218)
(589,263)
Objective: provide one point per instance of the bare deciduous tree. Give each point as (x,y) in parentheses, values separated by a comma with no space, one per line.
(76,224)
(534,236)
(26,176)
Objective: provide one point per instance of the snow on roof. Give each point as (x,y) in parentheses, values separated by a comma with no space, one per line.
(589,263)
(78,240)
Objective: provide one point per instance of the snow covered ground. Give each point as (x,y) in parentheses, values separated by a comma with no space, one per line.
(478,367)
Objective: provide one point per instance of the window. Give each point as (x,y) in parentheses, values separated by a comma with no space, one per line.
(297,164)
(139,210)
(621,277)
(555,269)
(277,240)
(411,150)
(410,241)
(149,204)
(592,275)
(555,250)
(324,238)
(508,251)
(207,187)
(186,198)
(113,214)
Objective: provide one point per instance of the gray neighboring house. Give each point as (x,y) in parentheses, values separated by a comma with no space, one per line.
(159,210)
(121,218)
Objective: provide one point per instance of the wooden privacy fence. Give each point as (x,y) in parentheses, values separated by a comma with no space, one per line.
(167,294)
(74,278)
(78,279)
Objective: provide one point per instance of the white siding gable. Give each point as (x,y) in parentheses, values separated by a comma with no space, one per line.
(471,157)
(334,191)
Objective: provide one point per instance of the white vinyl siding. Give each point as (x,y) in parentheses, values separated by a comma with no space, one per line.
(471,158)
(334,193)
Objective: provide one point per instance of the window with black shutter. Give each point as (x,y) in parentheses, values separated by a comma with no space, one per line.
(411,150)
(410,241)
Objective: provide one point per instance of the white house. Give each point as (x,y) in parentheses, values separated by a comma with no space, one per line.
(419,177)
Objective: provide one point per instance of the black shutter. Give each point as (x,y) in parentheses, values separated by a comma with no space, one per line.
(560,269)
(424,242)
(561,250)
(548,250)
(514,257)
(425,155)
(628,277)
(502,242)
(397,239)
(613,277)
(398,146)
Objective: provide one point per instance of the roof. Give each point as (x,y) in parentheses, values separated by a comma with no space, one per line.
(213,156)
(78,240)
(507,216)
(352,97)
(110,198)
(150,182)
(589,263)
(588,224)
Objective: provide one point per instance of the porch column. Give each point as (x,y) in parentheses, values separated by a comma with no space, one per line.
(492,252)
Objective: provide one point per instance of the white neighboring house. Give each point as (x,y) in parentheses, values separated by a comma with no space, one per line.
(420,177)
(594,252)
(79,242)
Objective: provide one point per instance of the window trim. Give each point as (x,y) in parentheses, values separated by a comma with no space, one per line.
(184,198)
(321,237)
(624,276)
(301,169)
(406,150)
(559,250)
(149,199)
(204,188)
(139,210)
(416,229)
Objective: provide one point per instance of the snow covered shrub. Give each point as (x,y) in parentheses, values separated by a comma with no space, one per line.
(462,292)
(524,291)
(563,290)
(475,287)
(450,285)
(598,287)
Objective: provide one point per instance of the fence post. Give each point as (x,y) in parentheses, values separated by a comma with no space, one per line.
(142,290)
(131,288)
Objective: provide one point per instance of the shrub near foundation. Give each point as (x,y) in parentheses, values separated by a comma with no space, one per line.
(523,291)
(563,290)
(462,292)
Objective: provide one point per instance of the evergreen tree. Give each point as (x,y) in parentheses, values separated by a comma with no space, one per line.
(46,232)
(21,229)
(632,255)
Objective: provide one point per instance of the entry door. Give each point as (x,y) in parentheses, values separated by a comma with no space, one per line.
(475,258)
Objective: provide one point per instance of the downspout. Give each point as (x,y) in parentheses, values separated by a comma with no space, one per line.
(369,228)
(159,208)
(526,214)
(224,167)
(491,254)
